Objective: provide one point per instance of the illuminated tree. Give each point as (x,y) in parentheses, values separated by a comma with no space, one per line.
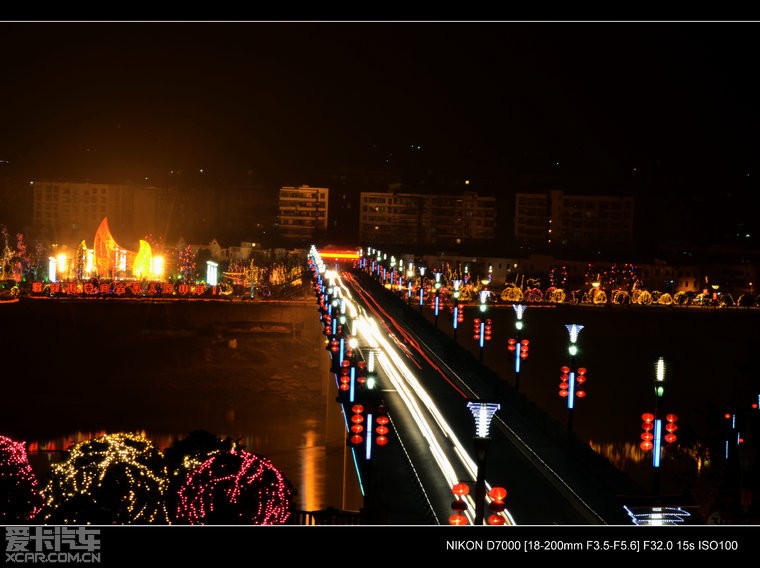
(20,498)
(114,479)
(186,264)
(223,483)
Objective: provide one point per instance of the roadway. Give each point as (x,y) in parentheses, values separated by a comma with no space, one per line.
(426,381)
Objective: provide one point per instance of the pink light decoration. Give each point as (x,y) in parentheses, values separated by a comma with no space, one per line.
(20,498)
(235,486)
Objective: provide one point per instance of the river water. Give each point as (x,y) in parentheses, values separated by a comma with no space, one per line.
(255,371)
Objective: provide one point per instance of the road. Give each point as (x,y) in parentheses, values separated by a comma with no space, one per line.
(427,386)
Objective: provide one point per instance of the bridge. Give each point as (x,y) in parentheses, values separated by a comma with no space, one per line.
(390,361)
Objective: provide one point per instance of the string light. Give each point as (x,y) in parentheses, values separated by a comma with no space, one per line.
(20,498)
(116,478)
(235,487)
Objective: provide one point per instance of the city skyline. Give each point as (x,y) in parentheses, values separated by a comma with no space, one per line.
(662,111)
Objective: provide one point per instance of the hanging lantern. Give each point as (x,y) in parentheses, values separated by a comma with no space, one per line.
(496,520)
(381,440)
(457,519)
(461,489)
(459,505)
(646,445)
(497,493)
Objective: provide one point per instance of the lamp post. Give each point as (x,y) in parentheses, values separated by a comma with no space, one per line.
(437,298)
(571,378)
(410,281)
(483,413)
(455,321)
(517,346)
(482,326)
(652,437)
(422,287)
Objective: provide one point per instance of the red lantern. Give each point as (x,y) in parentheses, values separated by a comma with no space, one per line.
(357,409)
(381,440)
(582,371)
(565,369)
(647,426)
(382,420)
(646,445)
(357,419)
(496,520)
(356,439)
(497,493)
(563,393)
(497,506)
(459,505)
(580,394)
(457,519)
(670,427)
(382,430)
(357,428)
(647,417)
(670,438)
(647,436)
(671,418)
(460,489)
(344,386)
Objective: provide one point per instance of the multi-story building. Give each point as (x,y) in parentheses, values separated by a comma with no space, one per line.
(69,212)
(303,212)
(554,220)
(388,218)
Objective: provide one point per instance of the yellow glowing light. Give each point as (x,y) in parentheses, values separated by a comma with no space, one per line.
(63,264)
(142,265)
(157,267)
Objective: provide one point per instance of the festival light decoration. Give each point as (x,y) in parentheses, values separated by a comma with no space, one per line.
(20,498)
(116,478)
(235,487)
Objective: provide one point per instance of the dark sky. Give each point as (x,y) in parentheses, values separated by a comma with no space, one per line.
(611,100)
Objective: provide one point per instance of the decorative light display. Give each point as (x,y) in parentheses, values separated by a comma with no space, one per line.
(497,506)
(20,498)
(459,505)
(235,487)
(113,479)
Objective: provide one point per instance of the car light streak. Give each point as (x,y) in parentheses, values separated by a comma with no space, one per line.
(418,403)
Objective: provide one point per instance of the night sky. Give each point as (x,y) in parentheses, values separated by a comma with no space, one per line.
(660,109)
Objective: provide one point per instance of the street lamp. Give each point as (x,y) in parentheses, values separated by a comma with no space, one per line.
(482,327)
(652,437)
(483,413)
(571,378)
(437,296)
(422,287)
(457,310)
(517,346)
